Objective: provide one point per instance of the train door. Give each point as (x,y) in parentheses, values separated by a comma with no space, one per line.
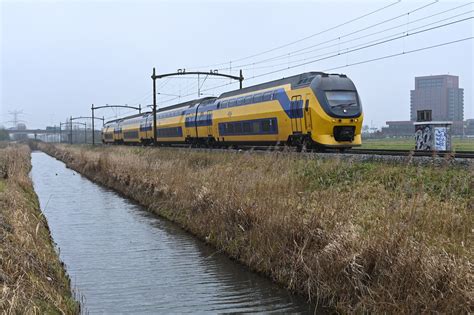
(307,114)
(209,123)
(149,127)
(142,129)
(296,114)
(196,120)
(188,125)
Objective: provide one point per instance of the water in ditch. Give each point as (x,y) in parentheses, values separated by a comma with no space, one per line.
(122,259)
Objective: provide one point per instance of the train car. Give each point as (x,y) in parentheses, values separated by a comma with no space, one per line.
(313,109)
(108,133)
(130,129)
(170,124)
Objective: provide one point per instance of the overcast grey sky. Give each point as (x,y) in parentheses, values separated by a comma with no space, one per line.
(59,57)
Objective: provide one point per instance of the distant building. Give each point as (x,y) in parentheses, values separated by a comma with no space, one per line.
(399,128)
(439,93)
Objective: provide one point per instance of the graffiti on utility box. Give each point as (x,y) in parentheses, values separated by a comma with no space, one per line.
(434,136)
(423,137)
(440,138)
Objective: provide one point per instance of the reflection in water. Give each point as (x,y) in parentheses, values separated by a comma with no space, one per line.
(123,259)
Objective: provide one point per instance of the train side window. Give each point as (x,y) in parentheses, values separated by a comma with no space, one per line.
(247,127)
(238,128)
(256,127)
(240,101)
(230,128)
(258,98)
(249,99)
(266,125)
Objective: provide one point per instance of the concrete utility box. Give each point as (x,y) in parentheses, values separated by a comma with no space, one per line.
(433,135)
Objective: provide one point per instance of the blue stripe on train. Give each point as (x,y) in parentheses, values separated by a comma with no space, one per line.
(294,109)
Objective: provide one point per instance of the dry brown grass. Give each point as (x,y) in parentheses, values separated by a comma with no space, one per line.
(359,236)
(32,279)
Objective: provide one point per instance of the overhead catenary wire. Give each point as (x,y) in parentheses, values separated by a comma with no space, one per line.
(393,37)
(304,38)
(338,38)
(363,47)
(281,57)
(401,53)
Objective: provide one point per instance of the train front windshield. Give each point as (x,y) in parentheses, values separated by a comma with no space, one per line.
(342,98)
(343,102)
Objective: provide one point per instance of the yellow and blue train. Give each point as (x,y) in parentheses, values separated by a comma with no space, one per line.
(312,109)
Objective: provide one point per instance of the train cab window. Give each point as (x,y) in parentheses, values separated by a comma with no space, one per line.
(267,96)
(341,98)
(249,99)
(258,98)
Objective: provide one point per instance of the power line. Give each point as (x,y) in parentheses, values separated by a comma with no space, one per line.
(15,114)
(402,53)
(392,37)
(338,38)
(300,51)
(362,48)
(307,37)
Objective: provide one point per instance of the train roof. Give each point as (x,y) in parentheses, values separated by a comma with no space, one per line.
(300,80)
(186,104)
(127,117)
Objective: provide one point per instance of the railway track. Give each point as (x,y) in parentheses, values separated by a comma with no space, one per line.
(383,152)
(443,154)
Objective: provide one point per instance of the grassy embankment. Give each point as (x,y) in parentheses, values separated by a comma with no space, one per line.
(407,143)
(355,236)
(32,278)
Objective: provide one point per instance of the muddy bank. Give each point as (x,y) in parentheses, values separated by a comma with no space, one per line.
(32,278)
(353,235)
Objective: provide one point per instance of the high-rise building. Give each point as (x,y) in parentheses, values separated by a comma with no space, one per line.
(440,94)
